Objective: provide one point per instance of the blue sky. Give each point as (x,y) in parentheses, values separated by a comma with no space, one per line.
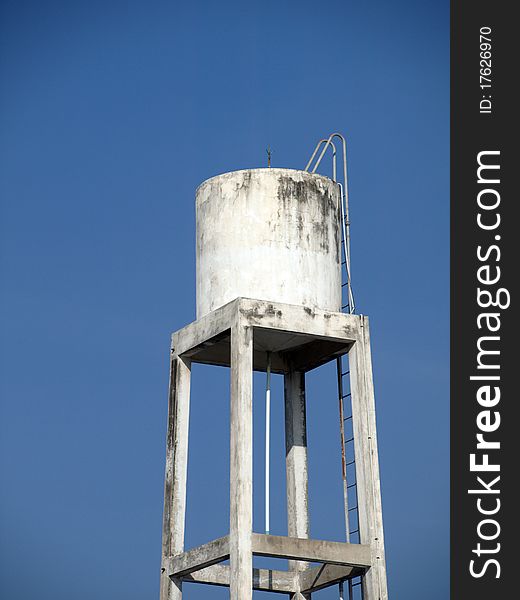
(111,114)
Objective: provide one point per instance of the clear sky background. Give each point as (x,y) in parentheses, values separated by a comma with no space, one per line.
(111,114)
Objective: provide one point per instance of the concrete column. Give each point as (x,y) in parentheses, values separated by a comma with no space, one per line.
(296,462)
(241,463)
(367,464)
(176,471)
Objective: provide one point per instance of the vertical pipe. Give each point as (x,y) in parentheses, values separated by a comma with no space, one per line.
(267,438)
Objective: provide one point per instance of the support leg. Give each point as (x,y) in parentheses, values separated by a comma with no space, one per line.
(296,463)
(367,465)
(176,471)
(241,463)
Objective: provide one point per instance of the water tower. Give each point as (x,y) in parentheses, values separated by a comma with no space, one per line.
(274,295)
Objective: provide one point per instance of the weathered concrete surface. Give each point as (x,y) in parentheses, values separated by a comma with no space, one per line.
(336,553)
(266,580)
(199,557)
(272,234)
(319,578)
(241,463)
(281,582)
(176,472)
(296,460)
(271,318)
(367,464)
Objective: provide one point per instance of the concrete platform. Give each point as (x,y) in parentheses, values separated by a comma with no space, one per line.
(294,335)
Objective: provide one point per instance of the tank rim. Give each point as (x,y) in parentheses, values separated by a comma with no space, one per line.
(270,169)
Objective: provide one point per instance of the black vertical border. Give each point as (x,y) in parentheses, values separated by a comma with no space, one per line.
(471,133)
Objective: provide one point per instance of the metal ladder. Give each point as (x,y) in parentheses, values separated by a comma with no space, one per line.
(348,458)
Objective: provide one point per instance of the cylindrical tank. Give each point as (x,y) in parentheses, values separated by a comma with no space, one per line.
(268,234)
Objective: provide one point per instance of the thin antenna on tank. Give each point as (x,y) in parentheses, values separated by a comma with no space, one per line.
(269,153)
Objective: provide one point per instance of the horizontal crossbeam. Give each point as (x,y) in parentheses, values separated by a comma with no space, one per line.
(265,580)
(299,319)
(199,557)
(340,561)
(216,551)
(336,553)
(282,582)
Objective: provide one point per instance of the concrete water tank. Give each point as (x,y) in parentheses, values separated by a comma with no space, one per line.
(269,234)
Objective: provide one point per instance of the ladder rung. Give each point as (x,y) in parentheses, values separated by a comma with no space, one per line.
(347,418)
(352,485)
(355,531)
(350,462)
(349,440)
(345,373)
(346,395)
(357,583)
(353,508)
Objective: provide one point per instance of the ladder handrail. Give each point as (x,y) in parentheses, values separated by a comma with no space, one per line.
(344,200)
(327,142)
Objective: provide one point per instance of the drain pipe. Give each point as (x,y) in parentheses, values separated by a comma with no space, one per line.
(267,437)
